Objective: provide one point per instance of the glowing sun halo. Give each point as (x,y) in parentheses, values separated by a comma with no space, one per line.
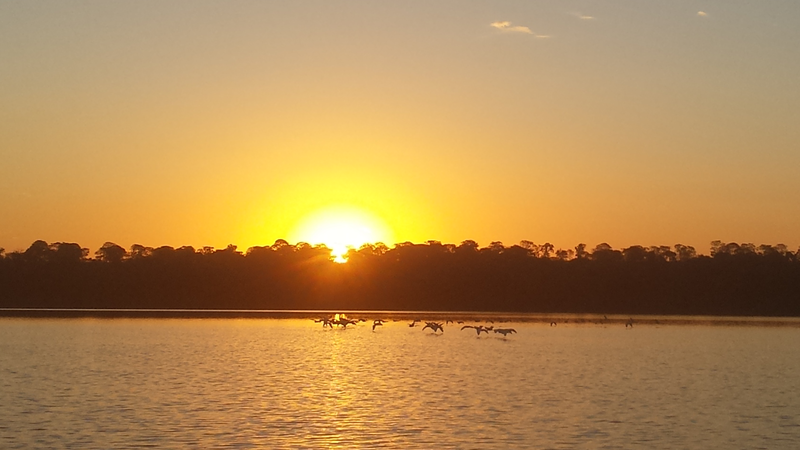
(341,228)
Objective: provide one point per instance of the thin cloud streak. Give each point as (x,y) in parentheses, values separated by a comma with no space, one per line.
(506,26)
(702,14)
(582,16)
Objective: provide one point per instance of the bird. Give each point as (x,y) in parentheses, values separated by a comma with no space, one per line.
(325,322)
(376,323)
(434,326)
(344,322)
(629,323)
(413,324)
(553,324)
(505,331)
(478,328)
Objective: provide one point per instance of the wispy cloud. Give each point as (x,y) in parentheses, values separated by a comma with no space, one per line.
(506,26)
(582,16)
(702,14)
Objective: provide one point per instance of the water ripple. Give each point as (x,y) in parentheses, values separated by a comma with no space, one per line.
(235,383)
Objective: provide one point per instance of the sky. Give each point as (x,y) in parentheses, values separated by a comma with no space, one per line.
(210,123)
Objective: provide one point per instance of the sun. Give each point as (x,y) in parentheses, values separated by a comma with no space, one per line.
(341,228)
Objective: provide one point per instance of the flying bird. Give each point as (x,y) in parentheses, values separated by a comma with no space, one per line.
(343,322)
(478,328)
(325,322)
(376,323)
(505,331)
(434,326)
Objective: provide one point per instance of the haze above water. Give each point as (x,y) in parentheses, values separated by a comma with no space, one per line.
(289,383)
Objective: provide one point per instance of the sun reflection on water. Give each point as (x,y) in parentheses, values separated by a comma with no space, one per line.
(294,384)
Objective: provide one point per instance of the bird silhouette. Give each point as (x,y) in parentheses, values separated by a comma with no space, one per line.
(434,326)
(344,322)
(325,322)
(478,329)
(505,331)
(376,323)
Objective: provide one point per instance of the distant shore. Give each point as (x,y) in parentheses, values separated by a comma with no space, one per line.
(736,281)
(553,319)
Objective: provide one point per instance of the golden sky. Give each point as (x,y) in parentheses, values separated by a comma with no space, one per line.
(209,123)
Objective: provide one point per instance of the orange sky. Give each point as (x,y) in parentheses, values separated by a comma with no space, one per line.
(209,123)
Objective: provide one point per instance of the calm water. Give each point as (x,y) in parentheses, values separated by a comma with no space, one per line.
(289,383)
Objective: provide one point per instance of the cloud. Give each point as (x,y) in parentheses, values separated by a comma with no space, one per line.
(582,16)
(506,26)
(702,14)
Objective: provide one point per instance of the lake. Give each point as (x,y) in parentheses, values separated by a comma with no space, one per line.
(290,383)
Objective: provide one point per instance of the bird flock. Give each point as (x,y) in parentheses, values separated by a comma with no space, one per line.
(342,321)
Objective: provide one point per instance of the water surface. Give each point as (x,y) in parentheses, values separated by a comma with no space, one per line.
(289,383)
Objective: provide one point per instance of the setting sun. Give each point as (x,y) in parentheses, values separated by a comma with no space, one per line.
(341,228)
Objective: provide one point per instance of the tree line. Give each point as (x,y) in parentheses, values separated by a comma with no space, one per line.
(734,279)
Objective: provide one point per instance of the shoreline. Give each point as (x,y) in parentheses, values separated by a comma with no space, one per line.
(464,316)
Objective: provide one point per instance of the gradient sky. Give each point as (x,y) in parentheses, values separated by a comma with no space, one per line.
(216,122)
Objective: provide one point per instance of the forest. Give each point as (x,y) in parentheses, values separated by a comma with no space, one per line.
(734,279)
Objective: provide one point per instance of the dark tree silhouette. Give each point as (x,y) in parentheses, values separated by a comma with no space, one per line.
(737,279)
(111,252)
